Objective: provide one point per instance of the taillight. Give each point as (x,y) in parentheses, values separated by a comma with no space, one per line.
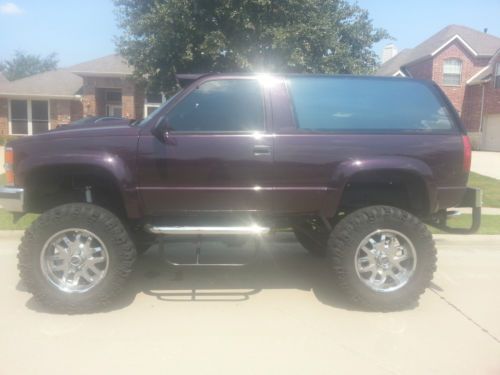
(467,153)
(9,165)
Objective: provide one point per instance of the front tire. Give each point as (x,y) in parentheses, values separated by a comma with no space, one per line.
(76,258)
(383,257)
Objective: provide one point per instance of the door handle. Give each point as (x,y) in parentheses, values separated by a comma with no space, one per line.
(259,150)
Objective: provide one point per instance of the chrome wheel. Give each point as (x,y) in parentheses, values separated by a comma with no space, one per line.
(74,260)
(385,260)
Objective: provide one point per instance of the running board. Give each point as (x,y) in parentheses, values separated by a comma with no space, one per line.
(198,231)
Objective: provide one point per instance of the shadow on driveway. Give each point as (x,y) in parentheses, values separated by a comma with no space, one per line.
(282,264)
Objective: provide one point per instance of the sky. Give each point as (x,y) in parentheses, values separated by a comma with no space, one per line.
(83,30)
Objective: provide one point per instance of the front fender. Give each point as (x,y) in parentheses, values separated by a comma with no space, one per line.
(119,165)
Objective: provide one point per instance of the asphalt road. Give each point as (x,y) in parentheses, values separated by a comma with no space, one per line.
(281,315)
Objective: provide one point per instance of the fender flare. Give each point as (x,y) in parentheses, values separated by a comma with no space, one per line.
(107,162)
(348,169)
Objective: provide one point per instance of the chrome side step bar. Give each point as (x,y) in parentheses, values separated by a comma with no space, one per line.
(199,231)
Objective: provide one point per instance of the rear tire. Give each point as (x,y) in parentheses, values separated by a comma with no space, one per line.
(383,258)
(76,258)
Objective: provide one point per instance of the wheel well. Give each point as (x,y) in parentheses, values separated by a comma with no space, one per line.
(393,188)
(48,187)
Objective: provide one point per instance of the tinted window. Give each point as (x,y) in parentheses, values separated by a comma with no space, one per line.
(366,105)
(223,105)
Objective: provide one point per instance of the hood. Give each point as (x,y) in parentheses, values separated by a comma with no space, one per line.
(94,122)
(120,128)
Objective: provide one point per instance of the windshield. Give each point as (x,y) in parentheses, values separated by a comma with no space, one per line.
(152,114)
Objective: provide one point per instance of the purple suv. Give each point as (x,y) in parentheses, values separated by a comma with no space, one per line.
(353,165)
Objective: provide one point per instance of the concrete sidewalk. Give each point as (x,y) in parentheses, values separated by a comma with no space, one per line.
(281,315)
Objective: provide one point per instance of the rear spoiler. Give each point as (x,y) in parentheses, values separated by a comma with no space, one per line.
(186,79)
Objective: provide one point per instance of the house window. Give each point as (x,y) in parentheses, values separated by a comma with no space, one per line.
(39,116)
(113,101)
(497,76)
(152,102)
(19,116)
(452,72)
(28,117)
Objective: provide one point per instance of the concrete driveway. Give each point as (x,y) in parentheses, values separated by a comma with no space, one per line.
(486,163)
(281,315)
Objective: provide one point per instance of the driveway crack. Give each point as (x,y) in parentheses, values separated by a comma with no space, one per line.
(461,312)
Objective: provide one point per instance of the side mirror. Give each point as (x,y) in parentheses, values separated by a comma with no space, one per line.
(159,128)
(163,132)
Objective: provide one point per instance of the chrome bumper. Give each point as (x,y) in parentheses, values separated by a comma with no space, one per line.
(12,198)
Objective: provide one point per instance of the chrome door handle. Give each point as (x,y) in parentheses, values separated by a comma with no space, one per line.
(259,150)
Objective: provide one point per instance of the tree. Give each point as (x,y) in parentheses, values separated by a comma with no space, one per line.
(165,37)
(24,65)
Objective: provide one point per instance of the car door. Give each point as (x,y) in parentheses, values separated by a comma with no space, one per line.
(215,152)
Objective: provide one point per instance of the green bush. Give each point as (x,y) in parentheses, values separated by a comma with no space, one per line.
(6,138)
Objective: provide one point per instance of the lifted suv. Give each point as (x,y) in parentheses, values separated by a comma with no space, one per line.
(353,165)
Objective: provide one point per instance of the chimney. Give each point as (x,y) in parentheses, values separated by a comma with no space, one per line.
(486,30)
(389,52)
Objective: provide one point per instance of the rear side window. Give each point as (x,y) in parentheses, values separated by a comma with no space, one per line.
(341,104)
(224,105)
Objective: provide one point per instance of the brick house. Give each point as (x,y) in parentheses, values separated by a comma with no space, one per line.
(101,87)
(465,63)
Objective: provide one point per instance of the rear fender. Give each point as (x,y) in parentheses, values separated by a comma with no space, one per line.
(347,170)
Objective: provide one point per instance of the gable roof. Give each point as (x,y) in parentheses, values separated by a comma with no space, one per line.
(55,83)
(486,73)
(393,65)
(111,65)
(478,43)
(68,82)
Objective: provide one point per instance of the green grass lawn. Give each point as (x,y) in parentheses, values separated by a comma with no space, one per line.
(7,223)
(490,188)
(490,224)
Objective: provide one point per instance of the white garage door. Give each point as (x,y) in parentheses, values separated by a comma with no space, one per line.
(491,133)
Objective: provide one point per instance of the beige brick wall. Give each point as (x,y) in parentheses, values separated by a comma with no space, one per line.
(4,116)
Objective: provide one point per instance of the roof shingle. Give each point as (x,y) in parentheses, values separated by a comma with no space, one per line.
(55,83)
(111,65)
(66,82)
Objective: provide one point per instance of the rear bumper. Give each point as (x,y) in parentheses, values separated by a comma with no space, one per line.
(12,198)
(472,199)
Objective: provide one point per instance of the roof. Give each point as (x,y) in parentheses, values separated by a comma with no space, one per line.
(55,83)
(112,65)
(393,65)
(478,43)
(68,82)
(486,73)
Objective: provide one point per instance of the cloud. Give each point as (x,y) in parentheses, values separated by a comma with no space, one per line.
(10,9)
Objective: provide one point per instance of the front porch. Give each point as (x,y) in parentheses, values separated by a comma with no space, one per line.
(112,96)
